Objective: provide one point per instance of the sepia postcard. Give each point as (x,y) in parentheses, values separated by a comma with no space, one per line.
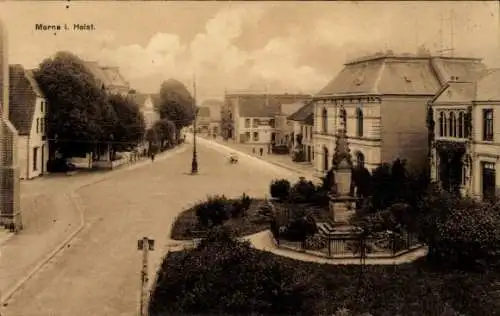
(249,158)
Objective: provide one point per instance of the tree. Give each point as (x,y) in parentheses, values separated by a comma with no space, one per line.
(78,106)
(130,126)
(176,104)
(166,132)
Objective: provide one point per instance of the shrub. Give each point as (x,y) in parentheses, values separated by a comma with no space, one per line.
(299,156)
(280,189)
(219,278)
(303,191)
(299,229)
(280,150)
(214,211)
(461,232)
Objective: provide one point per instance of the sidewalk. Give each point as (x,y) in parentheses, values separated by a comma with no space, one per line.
(284,161)
(52,217)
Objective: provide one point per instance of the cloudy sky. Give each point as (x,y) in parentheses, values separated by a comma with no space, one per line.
(284,46)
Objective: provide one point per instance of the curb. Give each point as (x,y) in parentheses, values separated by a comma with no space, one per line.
(74,198)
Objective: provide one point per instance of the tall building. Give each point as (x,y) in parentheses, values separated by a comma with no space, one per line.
(10,213)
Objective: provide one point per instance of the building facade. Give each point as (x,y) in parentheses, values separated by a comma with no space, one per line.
(27,111)
(108,78)
(303,124)
(147,108)
(465,150)
(252,117)
(381,102)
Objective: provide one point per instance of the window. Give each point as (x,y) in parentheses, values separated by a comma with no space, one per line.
(272,123)
(325,159)
(247,136)
(359,119)
(247,123)
(324,119)
(35,158)
(488,124)
(42,126)
(461,125)
(256,136)
(442,124)
(488,180)
(256,122)
(37,125)
(41,106)
(451,124)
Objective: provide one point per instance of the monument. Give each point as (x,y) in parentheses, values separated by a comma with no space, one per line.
(10,213)
(342,202)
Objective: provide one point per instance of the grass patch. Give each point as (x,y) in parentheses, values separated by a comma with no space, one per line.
(252,222)
(408,289)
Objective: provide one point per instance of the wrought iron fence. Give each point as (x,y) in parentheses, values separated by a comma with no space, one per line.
(351,245)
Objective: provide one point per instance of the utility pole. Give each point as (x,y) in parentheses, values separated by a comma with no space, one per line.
(145,245)
(194,162)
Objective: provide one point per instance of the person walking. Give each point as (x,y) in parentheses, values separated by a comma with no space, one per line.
(261,150)
(152,157)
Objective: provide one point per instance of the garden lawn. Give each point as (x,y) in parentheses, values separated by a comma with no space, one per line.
(409,289)
(250,223)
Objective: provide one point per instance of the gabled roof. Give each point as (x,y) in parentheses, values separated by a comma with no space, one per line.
(22,98)
(98,72)
(114,77)
(259,106)
(401,75)
(455,92)
(309,119)
(488,87)
(302,113)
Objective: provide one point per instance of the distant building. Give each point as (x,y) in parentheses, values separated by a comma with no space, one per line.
(27,111)
(381,101)
(203,119)
(147,107)
(302,122)
(215,107)
(465,128)
(251,118)
(109,78)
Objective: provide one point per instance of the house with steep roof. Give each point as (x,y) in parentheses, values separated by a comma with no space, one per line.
(253,116)
(215,107)
(302,122)
(203,119)
(381,102)
(465,142)
(108,78)
(27,110)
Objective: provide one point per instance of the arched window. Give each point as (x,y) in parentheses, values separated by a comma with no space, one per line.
(451,117)
(442,124)
(324,120)
(453,124)
(359,119)
(325,158)
(343,118)
(360,159)
(461,124)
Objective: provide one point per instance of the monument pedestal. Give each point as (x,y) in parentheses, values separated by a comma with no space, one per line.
(342,208)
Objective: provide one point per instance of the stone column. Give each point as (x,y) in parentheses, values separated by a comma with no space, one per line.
(10,213)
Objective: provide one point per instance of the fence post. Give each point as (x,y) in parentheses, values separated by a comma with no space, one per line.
(393,240)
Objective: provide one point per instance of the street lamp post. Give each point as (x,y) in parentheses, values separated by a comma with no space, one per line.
(194,163)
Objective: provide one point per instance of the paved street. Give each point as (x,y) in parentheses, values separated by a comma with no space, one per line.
(99,273)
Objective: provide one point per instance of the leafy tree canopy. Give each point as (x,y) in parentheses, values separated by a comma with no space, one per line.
(78,105)
(176,103)
(130,125)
